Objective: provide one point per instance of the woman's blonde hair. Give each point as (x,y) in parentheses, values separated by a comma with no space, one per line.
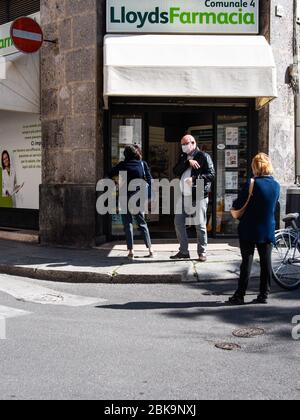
(262,165)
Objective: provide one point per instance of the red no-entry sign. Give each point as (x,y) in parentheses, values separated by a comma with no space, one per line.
(27,35)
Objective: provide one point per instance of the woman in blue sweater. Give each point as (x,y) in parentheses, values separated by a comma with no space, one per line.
(135,168)
(257,228)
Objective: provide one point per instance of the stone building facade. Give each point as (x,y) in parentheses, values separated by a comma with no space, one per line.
(282,111)
(73,118)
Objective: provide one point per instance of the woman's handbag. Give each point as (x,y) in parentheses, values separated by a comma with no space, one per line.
(149,192)
(238,214)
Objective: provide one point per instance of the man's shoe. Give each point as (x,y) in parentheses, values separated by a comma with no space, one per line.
(180,256)
(261,300)
(236,301)
(202,258)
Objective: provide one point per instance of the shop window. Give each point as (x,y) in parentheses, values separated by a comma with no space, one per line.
(12,9)
(124,131)
(3,12)
(232,168)
(223,135)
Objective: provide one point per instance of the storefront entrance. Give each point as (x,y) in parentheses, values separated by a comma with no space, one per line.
(226,132)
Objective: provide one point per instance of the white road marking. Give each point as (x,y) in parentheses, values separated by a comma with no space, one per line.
(25,290)
(7,312)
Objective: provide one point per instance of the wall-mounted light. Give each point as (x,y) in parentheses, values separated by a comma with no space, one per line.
(298,11)
(279,11)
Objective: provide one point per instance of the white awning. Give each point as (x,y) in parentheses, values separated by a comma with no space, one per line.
(189,66)
(20,88)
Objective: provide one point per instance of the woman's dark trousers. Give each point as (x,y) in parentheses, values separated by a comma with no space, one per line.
(265,254)
(129,231)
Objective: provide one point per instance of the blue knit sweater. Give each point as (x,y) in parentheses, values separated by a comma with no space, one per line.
(258,223)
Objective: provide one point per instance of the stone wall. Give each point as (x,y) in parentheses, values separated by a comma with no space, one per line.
(282,125)
(71,86)
(263,115)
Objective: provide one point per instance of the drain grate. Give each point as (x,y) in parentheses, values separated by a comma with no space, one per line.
(228,346)
(48,297)
(248,332)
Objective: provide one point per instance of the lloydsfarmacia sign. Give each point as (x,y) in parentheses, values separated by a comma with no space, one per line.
(183,16)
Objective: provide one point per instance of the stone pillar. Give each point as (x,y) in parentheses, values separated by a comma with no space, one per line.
(282,110)
(72,120)
(264,114)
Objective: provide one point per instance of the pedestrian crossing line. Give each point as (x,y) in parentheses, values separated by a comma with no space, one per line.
(27,291)
(8,312)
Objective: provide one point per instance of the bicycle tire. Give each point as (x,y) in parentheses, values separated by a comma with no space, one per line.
(289,238)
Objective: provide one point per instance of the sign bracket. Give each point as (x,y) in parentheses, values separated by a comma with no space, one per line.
(55,41)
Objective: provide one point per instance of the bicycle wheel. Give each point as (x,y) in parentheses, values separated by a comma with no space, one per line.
(286,260)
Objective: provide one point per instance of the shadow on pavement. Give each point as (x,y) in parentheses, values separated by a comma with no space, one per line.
(139,306)
(273,317)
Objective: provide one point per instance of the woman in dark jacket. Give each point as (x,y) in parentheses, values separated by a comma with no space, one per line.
(257,228)
(135,168)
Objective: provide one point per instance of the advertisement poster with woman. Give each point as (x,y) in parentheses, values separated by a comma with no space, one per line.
(10,187)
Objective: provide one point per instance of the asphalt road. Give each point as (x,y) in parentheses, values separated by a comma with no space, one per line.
(143,342)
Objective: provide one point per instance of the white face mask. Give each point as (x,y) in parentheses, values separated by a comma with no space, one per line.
(187,149)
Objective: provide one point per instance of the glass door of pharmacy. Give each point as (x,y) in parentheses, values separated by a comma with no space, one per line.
(125,130)
(232,151)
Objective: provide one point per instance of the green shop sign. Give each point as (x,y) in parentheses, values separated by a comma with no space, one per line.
(5,43)
(181,16)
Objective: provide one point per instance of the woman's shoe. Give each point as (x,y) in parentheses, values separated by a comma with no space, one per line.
(202,258)
(261,300)
(150,255)
(236,301)
(131,256)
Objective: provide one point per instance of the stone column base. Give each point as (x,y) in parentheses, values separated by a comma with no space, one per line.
(68,215)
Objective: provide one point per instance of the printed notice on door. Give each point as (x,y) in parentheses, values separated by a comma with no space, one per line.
(126,134)
(231,180)
(229,200)
(232,136)
(232,158)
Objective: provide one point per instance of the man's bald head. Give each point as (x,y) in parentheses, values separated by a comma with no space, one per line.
(189,144)
(188,139)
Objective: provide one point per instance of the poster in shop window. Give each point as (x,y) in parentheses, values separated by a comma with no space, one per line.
(20,151)
(126,134)
(229,200)
(231,159)
(232,136)
(231,180)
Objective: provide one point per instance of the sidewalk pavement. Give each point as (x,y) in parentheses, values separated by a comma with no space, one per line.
(109,263)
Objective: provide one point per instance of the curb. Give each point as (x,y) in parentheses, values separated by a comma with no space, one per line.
(80,277)
(77,277)
(19,236)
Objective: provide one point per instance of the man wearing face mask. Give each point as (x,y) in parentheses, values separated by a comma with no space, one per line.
(193,165)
